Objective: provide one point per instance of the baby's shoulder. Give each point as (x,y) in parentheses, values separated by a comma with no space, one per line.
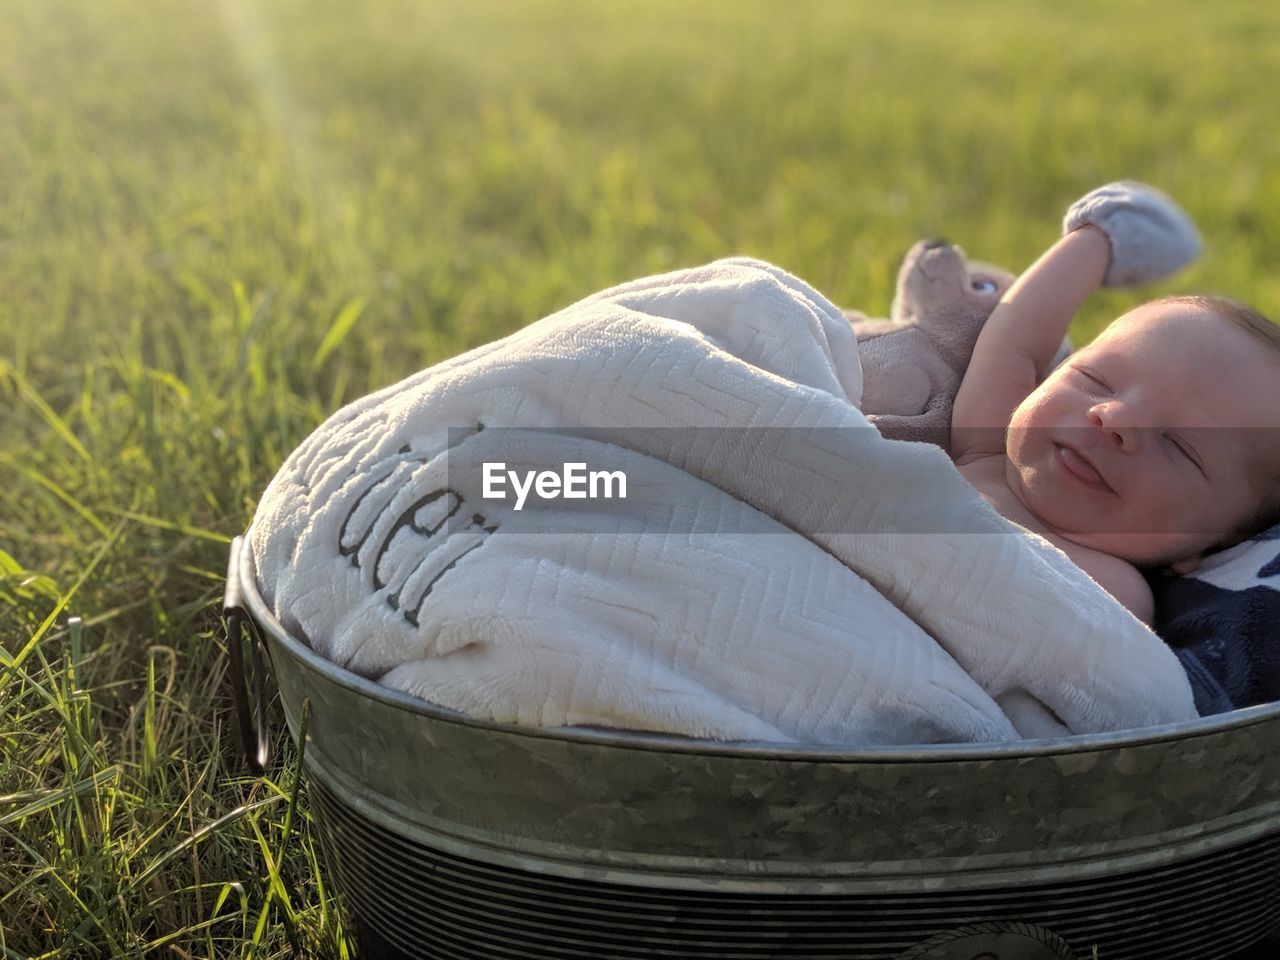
(1119,578)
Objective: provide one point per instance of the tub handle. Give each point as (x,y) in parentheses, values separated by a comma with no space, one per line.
(248,690)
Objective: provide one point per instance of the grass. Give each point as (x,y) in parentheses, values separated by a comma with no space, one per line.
(221,221)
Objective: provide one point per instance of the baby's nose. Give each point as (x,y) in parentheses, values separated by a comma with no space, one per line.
(1114,420)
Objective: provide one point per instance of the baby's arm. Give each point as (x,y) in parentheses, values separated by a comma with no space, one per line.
(1119,234)
(1019,340)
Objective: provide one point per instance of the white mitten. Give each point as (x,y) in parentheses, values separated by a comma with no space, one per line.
(1151,236)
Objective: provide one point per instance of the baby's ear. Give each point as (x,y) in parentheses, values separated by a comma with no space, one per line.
(1183,567)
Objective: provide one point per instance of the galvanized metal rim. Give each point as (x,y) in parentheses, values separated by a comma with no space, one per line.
(791,876)
(753,749)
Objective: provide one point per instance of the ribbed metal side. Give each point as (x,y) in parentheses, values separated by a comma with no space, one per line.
(437,906)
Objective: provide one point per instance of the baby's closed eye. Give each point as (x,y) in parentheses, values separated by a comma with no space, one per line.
(1181,446)
(1091,377)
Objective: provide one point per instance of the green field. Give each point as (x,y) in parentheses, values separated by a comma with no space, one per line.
(221,221)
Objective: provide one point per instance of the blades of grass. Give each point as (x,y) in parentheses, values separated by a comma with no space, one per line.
(9,565)
(244,312)
(176,812)
(207,830)
(8,663)
(40,479)
(168,380)
(47,413)
(287,829)
(188,805)
(339,392)
(217,576)
(75,626)
(227,888)
(27,582)
(148,719)
(276,893)
(248,355)
(198,291)
(336,944)
(107,616)
(91,919)
(185,934)
(54,797)
(276,887)
(183,528)
(57,705)
(75,701)
(338,330)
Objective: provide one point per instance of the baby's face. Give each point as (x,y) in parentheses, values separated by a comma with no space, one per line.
(1155,442)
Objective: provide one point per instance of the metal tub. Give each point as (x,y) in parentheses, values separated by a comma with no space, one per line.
(458,839)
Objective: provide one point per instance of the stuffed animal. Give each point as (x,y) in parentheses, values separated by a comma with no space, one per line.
(913,362)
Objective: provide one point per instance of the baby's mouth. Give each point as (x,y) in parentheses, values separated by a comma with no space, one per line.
(1079,467)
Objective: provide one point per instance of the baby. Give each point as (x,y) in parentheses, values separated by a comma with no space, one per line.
(1154,445)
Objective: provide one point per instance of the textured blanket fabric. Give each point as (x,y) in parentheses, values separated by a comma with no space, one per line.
(1224,624)
(778,571)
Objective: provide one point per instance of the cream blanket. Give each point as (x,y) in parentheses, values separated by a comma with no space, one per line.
(778,571)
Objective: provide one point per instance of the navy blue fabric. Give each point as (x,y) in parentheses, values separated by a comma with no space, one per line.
(1224,625)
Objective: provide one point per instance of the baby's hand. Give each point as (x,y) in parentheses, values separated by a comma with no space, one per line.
(1150,235)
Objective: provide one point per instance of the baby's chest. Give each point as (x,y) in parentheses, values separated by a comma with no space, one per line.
(988,477)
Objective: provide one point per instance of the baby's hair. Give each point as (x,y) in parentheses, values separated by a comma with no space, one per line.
(1268,334)
(1244,317)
